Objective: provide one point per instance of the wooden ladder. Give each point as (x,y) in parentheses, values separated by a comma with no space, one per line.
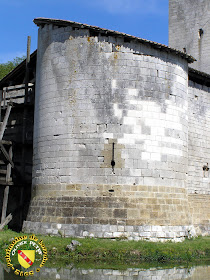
(6,164)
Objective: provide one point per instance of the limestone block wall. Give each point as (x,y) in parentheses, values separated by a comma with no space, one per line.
(199,138)
(91,93)
(176,273)
(186,18)
(101,98)
(199,154)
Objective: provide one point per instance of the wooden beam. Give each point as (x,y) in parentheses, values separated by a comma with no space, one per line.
(1,92)
(4,183)
(8,175)
(4,207)
(6,221)
(4,98)
(7,156)
(5,142)
(6,117)
(27,68)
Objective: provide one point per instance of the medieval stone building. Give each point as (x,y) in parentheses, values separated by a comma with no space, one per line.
(121,132)
(189,30)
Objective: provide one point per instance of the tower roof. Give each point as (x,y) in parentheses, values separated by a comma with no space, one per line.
(63,23)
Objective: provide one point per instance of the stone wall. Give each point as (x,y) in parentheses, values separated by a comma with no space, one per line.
(199,209)
(135,212)
(185,19)
(199,155)
(193,273)
(93,91)
(199,138)
(71,273)
(101,98)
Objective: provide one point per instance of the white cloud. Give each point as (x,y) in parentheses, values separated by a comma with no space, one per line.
(130,6)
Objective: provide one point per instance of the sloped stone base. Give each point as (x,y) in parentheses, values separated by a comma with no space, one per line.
(146,232)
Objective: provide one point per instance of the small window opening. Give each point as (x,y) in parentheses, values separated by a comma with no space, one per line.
(200,33)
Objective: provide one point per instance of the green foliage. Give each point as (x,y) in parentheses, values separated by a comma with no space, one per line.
(7,67)
(110,252)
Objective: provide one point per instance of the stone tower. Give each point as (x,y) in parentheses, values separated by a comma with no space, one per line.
(110,135)
(189,30)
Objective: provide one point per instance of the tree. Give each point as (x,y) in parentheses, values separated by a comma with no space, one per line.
(7,67)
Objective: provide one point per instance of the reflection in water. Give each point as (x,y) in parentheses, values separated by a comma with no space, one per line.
(193,273)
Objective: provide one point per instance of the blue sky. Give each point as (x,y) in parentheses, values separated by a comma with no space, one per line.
(142,18)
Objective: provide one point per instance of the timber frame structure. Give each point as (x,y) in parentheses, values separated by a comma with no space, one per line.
(16,142)
(5,167)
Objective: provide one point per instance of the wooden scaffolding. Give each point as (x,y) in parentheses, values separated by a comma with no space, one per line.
(6,164)
(17,91)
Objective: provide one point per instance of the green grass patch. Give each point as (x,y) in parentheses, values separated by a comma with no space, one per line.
(114,252)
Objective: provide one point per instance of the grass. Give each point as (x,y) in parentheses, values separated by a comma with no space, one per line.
(115,252)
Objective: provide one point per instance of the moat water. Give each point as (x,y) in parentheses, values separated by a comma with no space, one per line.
(192,273)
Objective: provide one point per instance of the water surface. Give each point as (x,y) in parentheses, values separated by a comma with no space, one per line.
(192,273)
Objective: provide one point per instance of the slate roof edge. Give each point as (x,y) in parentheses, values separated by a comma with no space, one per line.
(63,23)
(199,77)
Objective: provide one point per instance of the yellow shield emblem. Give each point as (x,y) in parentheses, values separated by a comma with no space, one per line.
(26,257)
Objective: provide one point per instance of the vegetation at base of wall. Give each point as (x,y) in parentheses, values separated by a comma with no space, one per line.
(116,251)
(7,67)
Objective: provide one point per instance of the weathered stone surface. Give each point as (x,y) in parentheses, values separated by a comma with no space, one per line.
(114,140)
(196,272)
(73,245)
(160,233)
(186,18)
